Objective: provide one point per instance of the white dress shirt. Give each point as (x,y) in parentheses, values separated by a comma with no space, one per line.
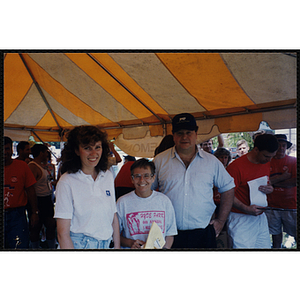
(191,189)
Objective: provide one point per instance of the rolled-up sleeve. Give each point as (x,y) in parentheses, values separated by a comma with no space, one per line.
(223,181)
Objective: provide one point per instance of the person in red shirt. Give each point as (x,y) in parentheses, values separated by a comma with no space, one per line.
(123,182)
(247,222)
(283,178)
(18,191)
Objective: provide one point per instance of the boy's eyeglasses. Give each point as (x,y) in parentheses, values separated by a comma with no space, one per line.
(139,176)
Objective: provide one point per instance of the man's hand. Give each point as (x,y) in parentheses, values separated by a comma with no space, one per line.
(254,210)
(218,225)
(266,189)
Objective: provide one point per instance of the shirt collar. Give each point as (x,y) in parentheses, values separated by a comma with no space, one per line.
(81,173)
(174,152)
(200,151)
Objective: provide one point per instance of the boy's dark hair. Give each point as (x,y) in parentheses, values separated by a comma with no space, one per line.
(143,163)
(21,146)
(37,149)
(267,142)
(83,135)
(7,140)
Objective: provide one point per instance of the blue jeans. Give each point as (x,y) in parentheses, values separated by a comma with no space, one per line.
(81,241)
(16,231)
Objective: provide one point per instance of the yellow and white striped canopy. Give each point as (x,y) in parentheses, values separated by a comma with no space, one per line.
(133,96)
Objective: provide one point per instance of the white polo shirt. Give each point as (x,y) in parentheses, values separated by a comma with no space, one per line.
(89,204)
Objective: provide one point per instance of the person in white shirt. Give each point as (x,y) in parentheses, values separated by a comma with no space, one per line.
(44,197)
(138,209)
(85,209)
(187,175)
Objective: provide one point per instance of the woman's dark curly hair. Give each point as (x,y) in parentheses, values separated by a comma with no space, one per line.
(83,135)
(223,151)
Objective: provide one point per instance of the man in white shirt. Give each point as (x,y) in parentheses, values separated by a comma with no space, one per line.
(187,175)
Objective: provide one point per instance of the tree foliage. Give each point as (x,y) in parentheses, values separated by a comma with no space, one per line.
(234,137)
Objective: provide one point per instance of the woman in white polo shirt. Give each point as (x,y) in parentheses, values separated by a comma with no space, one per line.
(85,197)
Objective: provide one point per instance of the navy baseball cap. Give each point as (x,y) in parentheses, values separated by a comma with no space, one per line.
(184,121)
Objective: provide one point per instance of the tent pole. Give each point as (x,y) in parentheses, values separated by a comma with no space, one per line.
(164,129)
(40,91)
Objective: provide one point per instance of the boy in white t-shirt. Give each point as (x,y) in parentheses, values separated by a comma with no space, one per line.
(138,209)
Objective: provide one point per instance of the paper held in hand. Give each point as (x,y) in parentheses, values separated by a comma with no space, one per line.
(155,238)
(256,196)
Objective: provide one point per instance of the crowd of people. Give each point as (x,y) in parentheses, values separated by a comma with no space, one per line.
(197,195)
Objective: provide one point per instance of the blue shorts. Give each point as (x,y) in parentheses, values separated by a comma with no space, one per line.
(82,241)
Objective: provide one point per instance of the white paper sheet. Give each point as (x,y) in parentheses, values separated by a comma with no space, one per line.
(256,196)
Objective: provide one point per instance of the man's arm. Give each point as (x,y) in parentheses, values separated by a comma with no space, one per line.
(283,180)
(116,154)
(31,196)
(226,203)
(288,183)
(35,171)
(254,210)
(220,141)
(169,242)
(250,210)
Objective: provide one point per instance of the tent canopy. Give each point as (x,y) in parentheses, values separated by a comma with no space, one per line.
(134,96)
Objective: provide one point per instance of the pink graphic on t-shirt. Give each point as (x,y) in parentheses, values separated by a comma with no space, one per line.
(140,222)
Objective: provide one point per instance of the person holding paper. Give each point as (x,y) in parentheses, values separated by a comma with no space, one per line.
(284,179)
(247,223)
(138,209)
